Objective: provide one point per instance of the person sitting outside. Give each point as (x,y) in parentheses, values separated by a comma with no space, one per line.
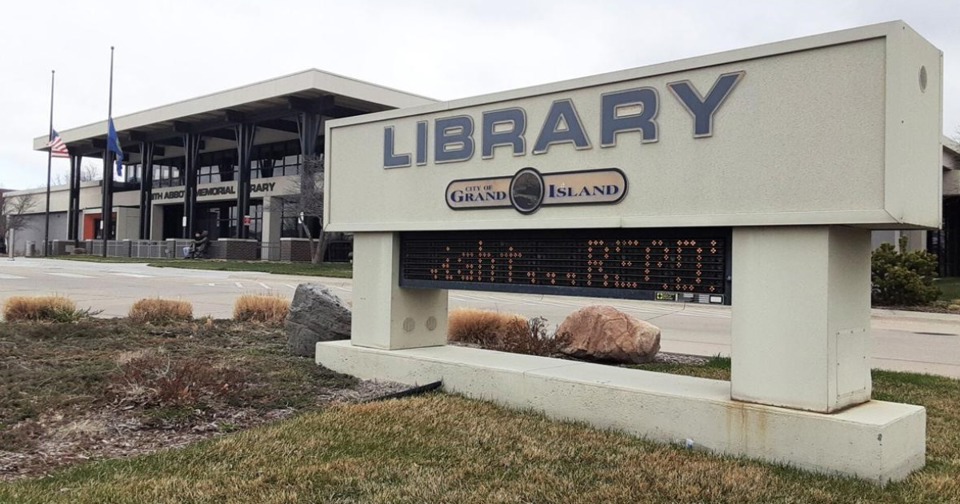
(188,251)
(200,245)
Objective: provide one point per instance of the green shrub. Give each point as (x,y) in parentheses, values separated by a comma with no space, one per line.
(903,278)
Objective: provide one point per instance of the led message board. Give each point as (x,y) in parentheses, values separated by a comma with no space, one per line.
(691,265)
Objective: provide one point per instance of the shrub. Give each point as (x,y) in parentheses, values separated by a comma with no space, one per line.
(156,380)
(903,278)
(500,331)
(268,309)
(44,308)
(160,311)
(483,327)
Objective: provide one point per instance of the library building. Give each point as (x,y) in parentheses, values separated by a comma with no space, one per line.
(228,164)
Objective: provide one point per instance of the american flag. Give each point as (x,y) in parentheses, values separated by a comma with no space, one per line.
(57,147)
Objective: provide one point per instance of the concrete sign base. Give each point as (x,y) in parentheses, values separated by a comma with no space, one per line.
(877,441)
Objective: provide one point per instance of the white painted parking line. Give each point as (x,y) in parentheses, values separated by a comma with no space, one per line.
(70,275)
(238,284)
(10,277)
(132,275)
(265,286)
(294,287)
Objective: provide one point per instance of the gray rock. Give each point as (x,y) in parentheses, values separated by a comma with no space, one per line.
(316,314)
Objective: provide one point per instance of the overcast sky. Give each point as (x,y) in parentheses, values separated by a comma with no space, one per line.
(173,50)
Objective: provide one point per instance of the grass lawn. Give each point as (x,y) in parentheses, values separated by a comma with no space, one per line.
(442,448)
(107,388)
(949,288)
(335,270)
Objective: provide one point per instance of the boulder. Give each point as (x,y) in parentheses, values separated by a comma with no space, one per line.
(605,334)
(316,314)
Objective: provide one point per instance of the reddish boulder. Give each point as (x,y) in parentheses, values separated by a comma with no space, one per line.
(603,333)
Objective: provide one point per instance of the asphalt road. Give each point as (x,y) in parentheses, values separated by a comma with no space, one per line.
(904,341)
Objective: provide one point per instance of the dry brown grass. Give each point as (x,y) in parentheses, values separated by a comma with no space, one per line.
(483,327)
(48,308)
(156,380)
(267,309)
(160,311)
(441,448)
(500,331)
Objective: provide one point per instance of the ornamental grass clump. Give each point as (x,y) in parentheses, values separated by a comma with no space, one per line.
(266,309)
(501,331)
(160,311)
(43,308)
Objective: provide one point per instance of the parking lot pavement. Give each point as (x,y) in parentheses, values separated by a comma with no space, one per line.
(114,287)
(903,341)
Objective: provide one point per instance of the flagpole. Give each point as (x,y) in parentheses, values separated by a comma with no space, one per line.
(46,225)
(106,212)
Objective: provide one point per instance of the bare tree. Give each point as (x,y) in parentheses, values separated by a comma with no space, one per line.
(88,172)
(13,215)
(310,205)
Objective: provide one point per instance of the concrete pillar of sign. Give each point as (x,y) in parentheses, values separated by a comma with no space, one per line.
(801,317)
(386,316)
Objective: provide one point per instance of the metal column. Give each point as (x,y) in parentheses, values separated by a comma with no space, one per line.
(191,155)
(106,207)
(245,135)
(146,189)
(308,125)
(73,207)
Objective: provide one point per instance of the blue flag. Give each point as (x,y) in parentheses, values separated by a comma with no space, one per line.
(113,145)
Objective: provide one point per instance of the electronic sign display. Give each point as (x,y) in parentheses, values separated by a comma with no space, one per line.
(690,264)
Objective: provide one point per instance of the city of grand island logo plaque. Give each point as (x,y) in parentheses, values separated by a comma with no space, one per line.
(528,190)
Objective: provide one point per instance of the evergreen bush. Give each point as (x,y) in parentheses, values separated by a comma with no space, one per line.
(903,278)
